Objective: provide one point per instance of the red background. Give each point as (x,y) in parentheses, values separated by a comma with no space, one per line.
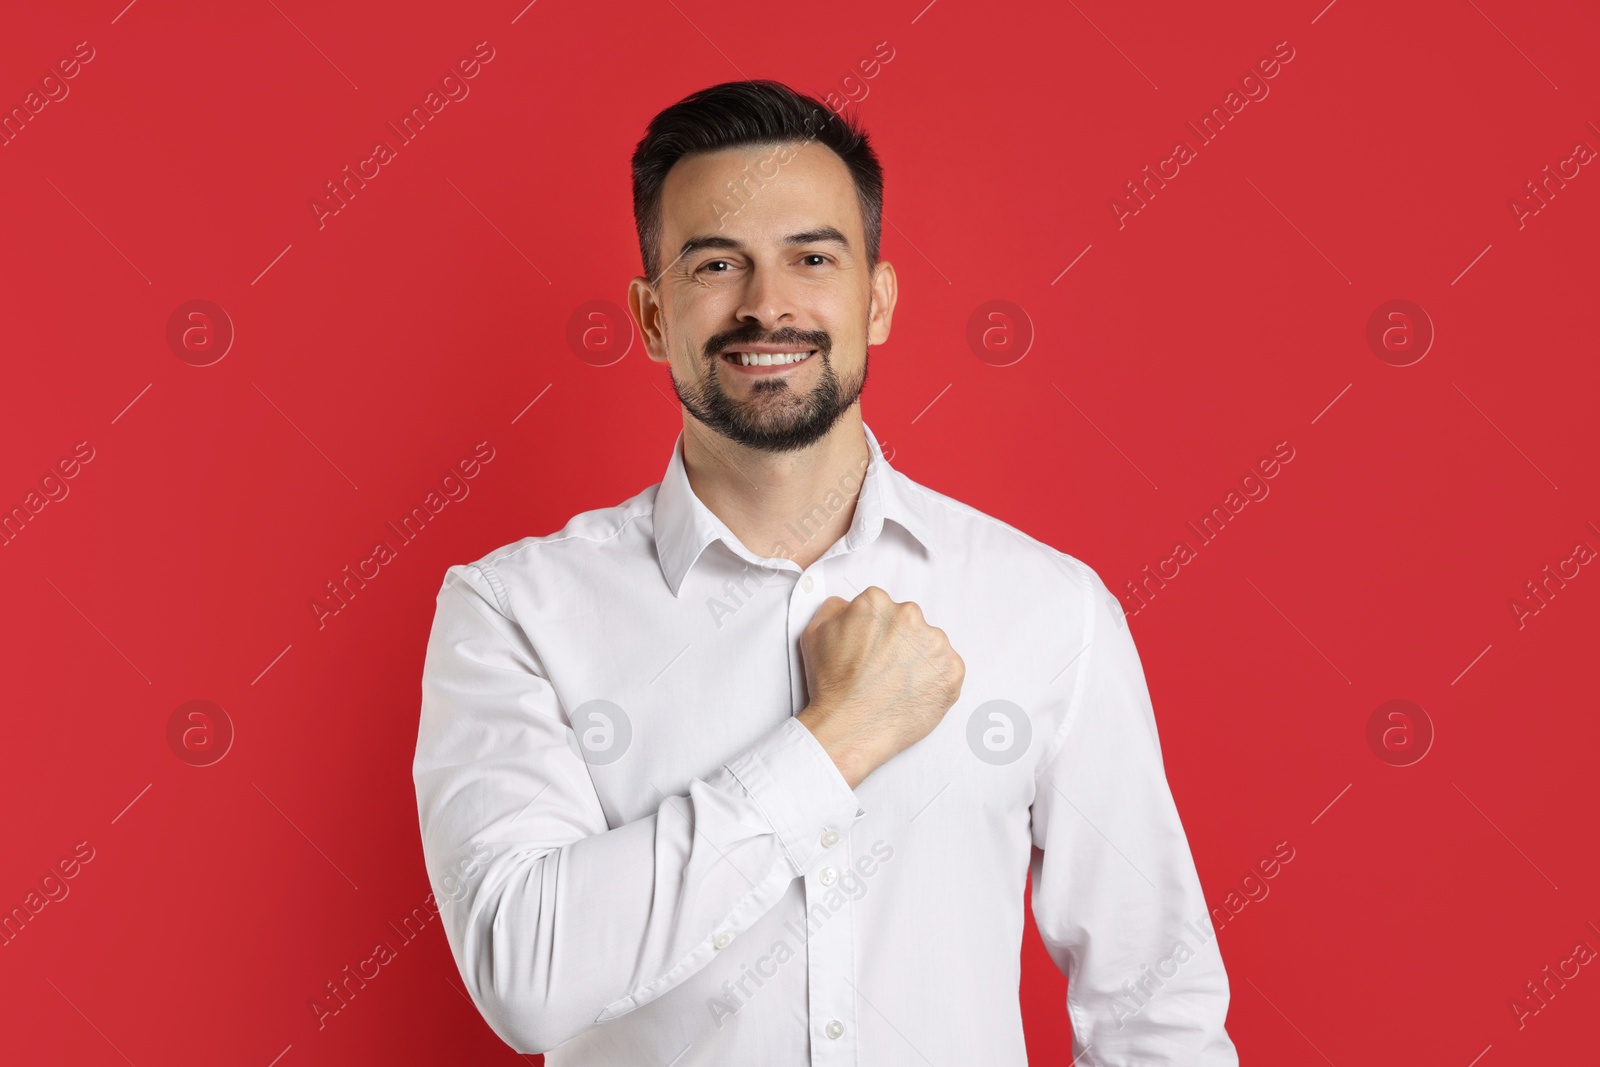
(372,353)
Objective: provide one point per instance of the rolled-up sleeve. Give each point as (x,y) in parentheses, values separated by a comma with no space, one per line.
(557,921)
(1115,894)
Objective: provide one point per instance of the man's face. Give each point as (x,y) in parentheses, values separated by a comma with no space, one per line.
(776,260)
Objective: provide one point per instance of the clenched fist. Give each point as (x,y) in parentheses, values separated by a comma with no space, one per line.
(880,678)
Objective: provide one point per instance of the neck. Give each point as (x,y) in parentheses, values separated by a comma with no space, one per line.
(792,505)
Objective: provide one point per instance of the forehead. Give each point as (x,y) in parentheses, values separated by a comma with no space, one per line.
(758,193)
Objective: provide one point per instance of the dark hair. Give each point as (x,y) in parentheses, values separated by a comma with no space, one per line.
(739,113)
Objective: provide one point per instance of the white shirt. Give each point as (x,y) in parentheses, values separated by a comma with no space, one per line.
(642,857)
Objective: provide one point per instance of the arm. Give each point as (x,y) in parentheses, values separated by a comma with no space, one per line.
(557,921)
(1115,894)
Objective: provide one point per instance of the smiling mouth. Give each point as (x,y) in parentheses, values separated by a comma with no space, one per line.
(767,359)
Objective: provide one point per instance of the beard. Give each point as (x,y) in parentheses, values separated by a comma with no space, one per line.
(774,417)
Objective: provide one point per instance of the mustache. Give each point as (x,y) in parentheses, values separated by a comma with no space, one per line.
(755,336)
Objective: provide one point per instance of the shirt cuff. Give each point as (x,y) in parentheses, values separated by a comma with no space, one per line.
(796,785)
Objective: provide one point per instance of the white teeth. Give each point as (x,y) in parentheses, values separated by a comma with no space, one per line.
(767,359)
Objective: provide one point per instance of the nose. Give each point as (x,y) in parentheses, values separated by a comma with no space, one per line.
(766,299)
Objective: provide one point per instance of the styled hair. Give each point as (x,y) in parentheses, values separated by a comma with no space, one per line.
(739,113)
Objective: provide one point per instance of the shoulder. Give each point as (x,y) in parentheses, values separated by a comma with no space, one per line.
(977,539)
(588,534)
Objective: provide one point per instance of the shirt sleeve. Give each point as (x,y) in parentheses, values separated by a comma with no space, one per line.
(557,921)
(1115,894)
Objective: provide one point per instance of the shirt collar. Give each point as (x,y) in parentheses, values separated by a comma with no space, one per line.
(684,526)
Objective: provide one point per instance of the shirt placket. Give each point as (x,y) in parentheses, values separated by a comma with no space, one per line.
(829,935)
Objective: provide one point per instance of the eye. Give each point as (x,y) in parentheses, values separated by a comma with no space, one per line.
(816,255)
(714,262)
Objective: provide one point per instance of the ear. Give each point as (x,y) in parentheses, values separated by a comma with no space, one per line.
(646,310)
(885,290)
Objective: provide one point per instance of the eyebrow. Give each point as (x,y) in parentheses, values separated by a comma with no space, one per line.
(806,237)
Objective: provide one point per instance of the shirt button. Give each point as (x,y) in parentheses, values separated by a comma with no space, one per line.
(807,584)
(830,838)
(722,940)
(828,876)
(835,1028)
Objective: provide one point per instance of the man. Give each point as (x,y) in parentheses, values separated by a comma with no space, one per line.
(699,779)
